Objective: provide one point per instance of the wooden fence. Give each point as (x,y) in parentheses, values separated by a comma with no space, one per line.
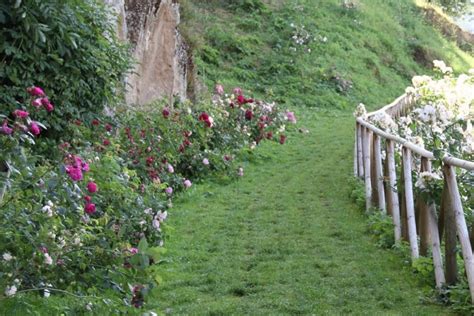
(391,191)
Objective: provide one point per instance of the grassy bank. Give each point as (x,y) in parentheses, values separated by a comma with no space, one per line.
(366,53)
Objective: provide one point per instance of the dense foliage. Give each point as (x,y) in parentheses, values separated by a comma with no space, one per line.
(67,47)
(93,222)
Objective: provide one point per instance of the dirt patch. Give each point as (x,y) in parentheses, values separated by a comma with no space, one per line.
(464,40)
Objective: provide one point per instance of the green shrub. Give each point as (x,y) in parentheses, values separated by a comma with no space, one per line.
(69,48)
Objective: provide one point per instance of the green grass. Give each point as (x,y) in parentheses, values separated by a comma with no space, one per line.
(285,239)
(377,47)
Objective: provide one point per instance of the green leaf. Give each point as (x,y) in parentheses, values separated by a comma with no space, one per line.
(156,252)
(143,245)
(17,4)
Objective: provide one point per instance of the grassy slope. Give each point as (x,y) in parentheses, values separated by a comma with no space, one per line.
(373,46)
(285,239)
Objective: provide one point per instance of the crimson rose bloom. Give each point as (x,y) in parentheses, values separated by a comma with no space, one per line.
(248,115)
(90,208)
(92,187)
(166,113)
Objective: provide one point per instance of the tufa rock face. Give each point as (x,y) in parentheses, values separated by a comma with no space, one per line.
(150,26)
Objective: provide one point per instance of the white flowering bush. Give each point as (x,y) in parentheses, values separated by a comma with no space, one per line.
(441,122)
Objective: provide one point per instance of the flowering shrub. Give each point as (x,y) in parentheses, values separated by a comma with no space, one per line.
(441,122)
(94,220)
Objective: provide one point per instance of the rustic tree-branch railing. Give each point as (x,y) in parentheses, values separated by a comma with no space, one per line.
(414,219)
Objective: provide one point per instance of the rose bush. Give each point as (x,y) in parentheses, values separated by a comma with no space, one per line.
(93,221)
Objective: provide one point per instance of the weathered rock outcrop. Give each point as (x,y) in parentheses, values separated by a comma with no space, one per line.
(150,26)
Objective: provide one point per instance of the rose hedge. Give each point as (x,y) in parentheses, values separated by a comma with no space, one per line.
(93,221)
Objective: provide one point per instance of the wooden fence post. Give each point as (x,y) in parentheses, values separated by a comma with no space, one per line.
(463,233)
(379,173)
(410,207)
(367,178)
(403,205)
(423,213)
(392,192)
(360,159)
(434,237)
(356,162)
(450,239)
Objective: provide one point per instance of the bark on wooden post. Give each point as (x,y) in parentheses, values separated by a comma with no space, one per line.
(463,234)
(367,178)
(392,192)
(423,216)
(373,179)
(379,173)
(403,205)
(360,159)
(410,207)
(450,240)
(434,238)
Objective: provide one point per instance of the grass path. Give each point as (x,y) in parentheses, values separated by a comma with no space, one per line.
(285,239)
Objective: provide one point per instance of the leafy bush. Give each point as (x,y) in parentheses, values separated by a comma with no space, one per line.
(381,227)
(66,46)
(92,222)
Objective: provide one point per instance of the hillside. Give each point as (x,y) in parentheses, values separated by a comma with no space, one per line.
(329,54)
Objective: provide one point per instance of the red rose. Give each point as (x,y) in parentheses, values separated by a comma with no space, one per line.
(241,99)
(282,139)
(166,112)
(92,187)
(90,208)
(248,115)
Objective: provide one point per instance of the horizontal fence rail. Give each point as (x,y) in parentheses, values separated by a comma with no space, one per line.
(415,220)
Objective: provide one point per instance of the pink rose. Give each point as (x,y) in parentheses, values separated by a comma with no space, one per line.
(20,114)
(237,91)
(5,129)
(187,184)
(290,116)
(74,173)
(87,198)
(47,105)
(36,102)
(169,190)
(170,168)
(219,89)
(133,251)
(89,208)
(92,187)
(35,91)
(205,161)
(34,129)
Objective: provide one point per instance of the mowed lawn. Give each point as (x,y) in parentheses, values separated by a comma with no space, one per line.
(286,238)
